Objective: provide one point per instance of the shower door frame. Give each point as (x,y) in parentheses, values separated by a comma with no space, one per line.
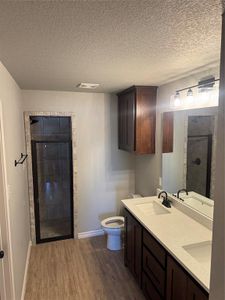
(36,201)
(27,116)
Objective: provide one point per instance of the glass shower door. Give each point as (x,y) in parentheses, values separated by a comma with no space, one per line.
(199,155)
(52,176)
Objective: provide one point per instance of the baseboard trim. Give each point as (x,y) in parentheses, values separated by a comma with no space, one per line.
(26,271)
(87,234)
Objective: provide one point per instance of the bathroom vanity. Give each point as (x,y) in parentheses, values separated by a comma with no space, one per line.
(167,251)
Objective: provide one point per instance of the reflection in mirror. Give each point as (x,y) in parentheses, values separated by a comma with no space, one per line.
(190,162)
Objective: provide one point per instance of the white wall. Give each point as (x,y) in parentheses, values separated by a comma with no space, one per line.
(105,174)
(148,168)
(10,96)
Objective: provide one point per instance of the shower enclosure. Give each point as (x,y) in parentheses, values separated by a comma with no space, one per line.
(52,177)
(199,154)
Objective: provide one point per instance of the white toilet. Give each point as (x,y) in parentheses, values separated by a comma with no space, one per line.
(113,227)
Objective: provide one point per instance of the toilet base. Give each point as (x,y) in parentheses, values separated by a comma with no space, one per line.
(114,242)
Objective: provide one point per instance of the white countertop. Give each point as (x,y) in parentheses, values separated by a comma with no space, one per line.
(174,230)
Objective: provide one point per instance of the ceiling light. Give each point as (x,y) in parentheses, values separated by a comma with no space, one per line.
(85,85)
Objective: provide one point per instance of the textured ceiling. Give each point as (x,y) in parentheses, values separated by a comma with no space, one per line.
(57,44)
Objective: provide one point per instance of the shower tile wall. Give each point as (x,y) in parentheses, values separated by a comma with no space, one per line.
(201,125)
(50,128)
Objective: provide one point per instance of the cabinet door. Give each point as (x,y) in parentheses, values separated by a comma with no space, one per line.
(195,292)
(167,146)
(145,119)
(176,281)
(126,111)
(133,245)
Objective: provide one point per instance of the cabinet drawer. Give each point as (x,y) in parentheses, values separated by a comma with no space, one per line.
(149,289)
(156,249)
(154,271)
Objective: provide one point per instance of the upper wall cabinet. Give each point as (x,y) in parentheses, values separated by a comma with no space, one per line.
(137,119)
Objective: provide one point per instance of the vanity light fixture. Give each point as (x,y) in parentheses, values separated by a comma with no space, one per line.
(204,86)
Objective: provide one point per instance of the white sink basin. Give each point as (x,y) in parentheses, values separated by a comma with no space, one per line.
(152,208)
(201,252)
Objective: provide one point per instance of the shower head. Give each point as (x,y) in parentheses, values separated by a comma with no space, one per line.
(33,121)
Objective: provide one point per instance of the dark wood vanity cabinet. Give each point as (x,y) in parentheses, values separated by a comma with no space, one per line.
(194,292)
(180,285)
(176,281)
(133,246)
(137,119)
(160,276)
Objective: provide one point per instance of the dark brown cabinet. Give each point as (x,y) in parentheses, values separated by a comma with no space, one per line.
(167,145)
(126,107)
(137,119)
(194,292)
(160,276)
(180,286)
(133,246)
(176,281)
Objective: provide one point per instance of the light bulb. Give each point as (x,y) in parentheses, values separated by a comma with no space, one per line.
(190,96)
(177,101)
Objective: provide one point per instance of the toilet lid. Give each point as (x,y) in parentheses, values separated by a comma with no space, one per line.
(113,222)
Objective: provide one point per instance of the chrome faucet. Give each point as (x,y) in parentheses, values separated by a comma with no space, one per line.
(166,201)
(182,190)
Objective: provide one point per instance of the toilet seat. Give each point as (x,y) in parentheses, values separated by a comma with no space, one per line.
(113,222)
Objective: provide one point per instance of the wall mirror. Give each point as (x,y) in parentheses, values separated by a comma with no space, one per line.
(189,156)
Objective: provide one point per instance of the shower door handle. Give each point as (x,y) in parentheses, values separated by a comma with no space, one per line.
(197,161)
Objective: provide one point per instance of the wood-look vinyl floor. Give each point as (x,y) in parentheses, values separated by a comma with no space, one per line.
(79,269)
